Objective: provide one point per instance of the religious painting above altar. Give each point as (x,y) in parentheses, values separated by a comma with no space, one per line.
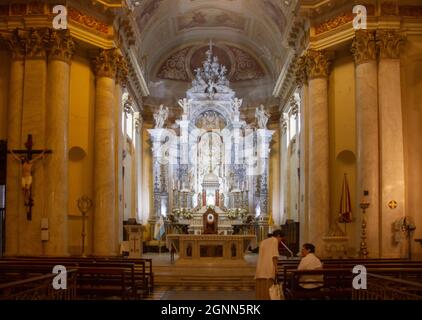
(214,160)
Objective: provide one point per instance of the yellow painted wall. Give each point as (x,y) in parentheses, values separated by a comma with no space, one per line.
(274,177)
(81,134)
(4,90)
(411,77)
(342,128)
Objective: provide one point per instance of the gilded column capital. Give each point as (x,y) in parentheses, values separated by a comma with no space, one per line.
(294,106)
(61,45)
(300,74)
(283,125)
(15,42)
(36,43)
(317,64)
(122,71)
(138,122)
(389,44)
(364,46)
(128,105)
(105,64)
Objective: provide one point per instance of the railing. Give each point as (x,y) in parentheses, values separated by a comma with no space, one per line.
(39,288)
(388,288)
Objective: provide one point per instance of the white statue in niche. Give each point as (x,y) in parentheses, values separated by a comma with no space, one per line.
(185,105)
(161,116)
(237,103)
(262,116)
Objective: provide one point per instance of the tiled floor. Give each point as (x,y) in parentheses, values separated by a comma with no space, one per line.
(203,293)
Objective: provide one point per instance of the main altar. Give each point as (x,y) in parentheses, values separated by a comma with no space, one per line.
(211,159)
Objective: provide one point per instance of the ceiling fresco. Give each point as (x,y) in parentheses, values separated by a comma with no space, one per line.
(248,39)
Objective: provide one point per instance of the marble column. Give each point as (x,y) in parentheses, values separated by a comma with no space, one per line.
(121,83)
(120,144)
(317,66)
(14,124)
(364,51)
(294,161)
(138,161)
(157,136)
(264,137)
(122,147)
(34,122)
(104,240)
(302,85)
(61,50)
(283,170)
(391,141)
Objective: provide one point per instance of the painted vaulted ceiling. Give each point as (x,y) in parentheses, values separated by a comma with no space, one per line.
(247,36)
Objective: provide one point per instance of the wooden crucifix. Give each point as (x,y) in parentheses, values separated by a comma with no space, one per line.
(25,157)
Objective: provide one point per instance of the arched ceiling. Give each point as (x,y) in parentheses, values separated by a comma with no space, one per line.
(247,36)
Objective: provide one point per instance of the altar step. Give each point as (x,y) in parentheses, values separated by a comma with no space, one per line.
(206,277)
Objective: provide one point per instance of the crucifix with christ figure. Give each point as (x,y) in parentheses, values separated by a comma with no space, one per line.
(25,157)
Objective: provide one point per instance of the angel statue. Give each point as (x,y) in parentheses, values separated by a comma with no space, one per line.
(161,116)
(185,104)
(237,103)
(262,116)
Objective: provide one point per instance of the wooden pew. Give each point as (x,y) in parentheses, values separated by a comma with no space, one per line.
(134,273)
(144,265)
(336,283)
(138,272)
(39,287)
(95,282)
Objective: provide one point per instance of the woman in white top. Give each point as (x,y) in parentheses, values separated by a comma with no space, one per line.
(310,262)
(266,267)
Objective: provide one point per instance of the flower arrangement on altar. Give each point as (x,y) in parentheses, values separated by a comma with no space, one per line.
(236,213)
(183,213)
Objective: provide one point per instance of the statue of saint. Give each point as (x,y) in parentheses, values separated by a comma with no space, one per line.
(262,116)
(161,116)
